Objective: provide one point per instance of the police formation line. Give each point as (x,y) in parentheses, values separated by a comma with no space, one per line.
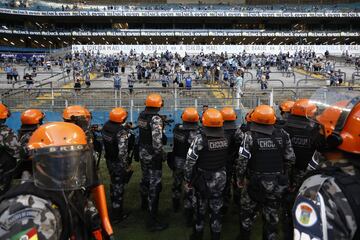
(302,166)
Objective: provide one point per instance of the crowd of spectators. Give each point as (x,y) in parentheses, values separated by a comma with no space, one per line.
(169,69)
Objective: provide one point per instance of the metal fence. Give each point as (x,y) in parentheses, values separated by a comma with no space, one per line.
(103,99)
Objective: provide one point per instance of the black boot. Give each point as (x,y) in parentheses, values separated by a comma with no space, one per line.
(189,217)
(176,204)
(144,202)
(154,223)
(215,235)
(196,235)
(118,216)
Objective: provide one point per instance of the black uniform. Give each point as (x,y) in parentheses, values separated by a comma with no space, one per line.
(302,133)
(184,134)
(205,170)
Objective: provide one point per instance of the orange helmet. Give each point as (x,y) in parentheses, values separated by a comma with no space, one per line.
(303,107)
(286,106)
(190,115)
(57,134)
(4,112)
(248,115)
(76,111)
(263,114)
(212,118)
(32,116)
(62,160)
(118,115)
(340,130)
(228,114)
(154,100)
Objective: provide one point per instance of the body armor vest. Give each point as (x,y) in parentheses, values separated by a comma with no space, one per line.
(109,133)
(214,154)
(266,155)
(302,133)
(145,136)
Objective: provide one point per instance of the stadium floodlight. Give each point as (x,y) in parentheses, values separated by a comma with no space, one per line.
(274,38)
(244,39)
(6,39)
(227,39)
(21,40)
(51,42)
(58,38)
(352,43)
(213,39)
(36,41)
(280,43)
(347,39)
(317,39)
(334,39)
(252,43)
(66,43)
(286,39)
(151,39)
(325,43)
(12,43)
(257,39)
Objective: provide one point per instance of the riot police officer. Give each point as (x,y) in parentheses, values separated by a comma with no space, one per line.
(302,130)
(54,205)
(265,158)
(328,202)
(205,171)
(117,142)
(184,134)
(151,156)
(230,127)
(81,117)
(31,119)
(9,150)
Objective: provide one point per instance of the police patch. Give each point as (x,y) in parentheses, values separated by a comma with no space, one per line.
(179,137)
(267,143)
(300,141)
(217,144)
(305,214)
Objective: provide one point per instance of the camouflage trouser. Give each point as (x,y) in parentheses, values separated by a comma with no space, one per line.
(178,175)
(288,202)
(231,183)
(270,210)
(215,182)
(150,184)
(117,184)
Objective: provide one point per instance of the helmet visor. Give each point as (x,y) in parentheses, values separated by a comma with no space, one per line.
(63,168)
(334,106)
